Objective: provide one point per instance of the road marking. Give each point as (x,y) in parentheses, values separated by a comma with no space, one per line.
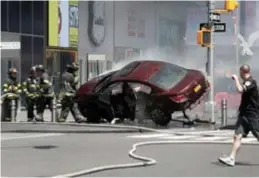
(30,136)
(148,136)
(249,140)
(197,137)
(181,137)
(211,138)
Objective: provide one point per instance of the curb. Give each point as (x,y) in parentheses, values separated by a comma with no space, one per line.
(228,127)
(72,131)
(50,127)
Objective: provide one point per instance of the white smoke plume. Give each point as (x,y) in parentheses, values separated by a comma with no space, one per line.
(154,54)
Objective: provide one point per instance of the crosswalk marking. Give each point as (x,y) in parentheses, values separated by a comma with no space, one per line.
(211,138)
(179,137)
(208,136)
(149,136)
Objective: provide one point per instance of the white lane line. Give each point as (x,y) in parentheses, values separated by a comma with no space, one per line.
(181,137)
(148,136)
(30,136)
(248,140)
(212,138)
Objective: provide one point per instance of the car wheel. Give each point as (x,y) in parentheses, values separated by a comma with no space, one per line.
(160,117)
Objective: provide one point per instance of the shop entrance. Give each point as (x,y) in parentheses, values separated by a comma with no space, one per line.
(56,61)
(96,64)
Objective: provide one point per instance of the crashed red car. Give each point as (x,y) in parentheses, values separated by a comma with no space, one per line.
(159,89)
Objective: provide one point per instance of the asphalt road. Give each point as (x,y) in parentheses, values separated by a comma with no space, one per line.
(46,155)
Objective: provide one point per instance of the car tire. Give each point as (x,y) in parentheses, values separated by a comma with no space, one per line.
(159,117)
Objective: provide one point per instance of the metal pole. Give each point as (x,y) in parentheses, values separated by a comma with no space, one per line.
(210,61)
(54,112)
(13,110)
(224,114)
(236,27)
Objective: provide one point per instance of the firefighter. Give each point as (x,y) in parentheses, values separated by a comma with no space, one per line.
(67,93)
(11,90)
(76,74)
(31,90)
(46,92)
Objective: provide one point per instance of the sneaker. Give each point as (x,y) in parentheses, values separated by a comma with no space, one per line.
(115,121)
(227,160)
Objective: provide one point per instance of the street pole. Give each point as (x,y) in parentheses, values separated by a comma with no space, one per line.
(236,27)
(210,61)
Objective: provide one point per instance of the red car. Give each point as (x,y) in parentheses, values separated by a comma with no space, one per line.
(153,88)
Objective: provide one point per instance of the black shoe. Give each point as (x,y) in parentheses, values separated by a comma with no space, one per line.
(30,119)
(39,120)
(7,120)
(61,120)
(80,120)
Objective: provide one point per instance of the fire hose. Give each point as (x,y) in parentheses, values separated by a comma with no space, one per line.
(145,161)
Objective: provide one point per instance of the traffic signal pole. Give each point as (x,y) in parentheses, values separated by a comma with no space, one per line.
(210,62)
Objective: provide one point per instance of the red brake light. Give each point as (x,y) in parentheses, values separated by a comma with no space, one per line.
(179,98)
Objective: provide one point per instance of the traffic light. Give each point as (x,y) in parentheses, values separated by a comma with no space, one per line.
(204,37)
(231,5)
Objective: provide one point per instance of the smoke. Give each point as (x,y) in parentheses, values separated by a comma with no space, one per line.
(154,54)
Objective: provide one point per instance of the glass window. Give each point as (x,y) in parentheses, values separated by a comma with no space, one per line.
(126,70)
(38,50)
(38,25)
(14,16)
(3,16)
(139,87)
(168,76)
(26,17)
(116,88)
(26,56)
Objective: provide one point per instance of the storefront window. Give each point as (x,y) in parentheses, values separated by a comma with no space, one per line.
(26,17)
(38,25)
(3,16)
(38,49)
(26,55)
(14,16)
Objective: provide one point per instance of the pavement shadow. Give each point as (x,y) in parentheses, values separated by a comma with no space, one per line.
(217,163)
(42,147)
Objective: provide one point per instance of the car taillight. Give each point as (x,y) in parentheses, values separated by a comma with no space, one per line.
(179,98)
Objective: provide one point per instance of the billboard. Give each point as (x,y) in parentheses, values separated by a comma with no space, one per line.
(63,23)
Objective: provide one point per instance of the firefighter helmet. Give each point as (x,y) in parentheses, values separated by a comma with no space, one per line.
(33,69)
(12,71)
(40,67)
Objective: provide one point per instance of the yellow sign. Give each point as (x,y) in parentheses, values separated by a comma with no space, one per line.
(63,23)
(53,23)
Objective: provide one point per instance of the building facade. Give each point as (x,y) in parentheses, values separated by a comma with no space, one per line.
(127,30)
(38,32)
(22,22)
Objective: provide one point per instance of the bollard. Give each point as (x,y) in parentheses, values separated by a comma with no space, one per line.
(224,114)
(53,113)
(13,110)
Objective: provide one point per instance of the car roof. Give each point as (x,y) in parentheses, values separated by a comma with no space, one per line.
(141,72)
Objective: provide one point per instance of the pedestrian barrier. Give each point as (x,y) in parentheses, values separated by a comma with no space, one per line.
(13,105)
(54,110)
(224,114)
